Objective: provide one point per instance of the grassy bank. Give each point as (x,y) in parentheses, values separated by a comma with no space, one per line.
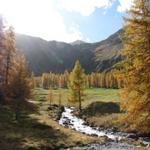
(91,95)
(37,131)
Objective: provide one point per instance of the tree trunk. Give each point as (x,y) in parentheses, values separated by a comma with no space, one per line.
(80,107)
(2,97)
(17,113)
(7,69)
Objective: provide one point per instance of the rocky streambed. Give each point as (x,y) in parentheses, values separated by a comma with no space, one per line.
(115,142)
(106,146)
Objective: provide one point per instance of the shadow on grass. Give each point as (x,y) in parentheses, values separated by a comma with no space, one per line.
(100,108)
(28,133)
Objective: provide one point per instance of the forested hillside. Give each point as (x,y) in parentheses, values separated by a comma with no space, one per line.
(43,56)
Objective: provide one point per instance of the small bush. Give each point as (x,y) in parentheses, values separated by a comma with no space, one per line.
(97,108)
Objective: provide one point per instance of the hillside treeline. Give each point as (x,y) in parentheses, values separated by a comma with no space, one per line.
(93,80)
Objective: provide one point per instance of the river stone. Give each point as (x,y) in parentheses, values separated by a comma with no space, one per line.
(147,139)
(114,129)
(133,136)
(61,110)
(69,120)
(94,135)
(106,146)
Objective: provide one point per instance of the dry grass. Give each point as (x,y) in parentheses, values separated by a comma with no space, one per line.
(104,121)
(142,148)
(37,131)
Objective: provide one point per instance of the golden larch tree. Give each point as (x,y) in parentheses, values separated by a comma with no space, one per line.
(19,85)
(50,96)
(135,68)
(10,49)
(76,85)
(2,50)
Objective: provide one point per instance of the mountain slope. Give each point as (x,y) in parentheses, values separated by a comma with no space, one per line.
(77,42)
(109,51)
(46,56)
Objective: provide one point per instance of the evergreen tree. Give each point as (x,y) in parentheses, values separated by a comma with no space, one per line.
(2,45)
(66,77)
(59,90)
(33,81)
(76,85)
(2,50)
(135,69)
(10,50)
(50,96)
(59,96)
(19,86)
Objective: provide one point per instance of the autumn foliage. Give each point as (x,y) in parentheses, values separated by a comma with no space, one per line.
(76,85)
(14,82)
(93,80)
(135,69)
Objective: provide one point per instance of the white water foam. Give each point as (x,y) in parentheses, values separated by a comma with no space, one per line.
(78,124)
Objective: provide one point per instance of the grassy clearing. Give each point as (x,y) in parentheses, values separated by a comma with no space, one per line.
(95,97)
(37,131)
(95,111)
(91,95)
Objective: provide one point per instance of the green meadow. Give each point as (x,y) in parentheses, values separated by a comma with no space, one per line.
(91,95)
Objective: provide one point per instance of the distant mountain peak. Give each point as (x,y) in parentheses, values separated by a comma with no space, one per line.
(77,42)
(45,56)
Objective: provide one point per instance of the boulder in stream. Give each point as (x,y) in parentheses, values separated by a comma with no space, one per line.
(133,136)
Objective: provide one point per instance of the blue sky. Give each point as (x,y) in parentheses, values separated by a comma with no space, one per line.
(97,26)
(65,20)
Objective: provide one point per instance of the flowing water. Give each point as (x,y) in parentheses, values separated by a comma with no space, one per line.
(71,121)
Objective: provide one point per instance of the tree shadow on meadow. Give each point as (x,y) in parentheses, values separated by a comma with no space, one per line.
(28,133)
